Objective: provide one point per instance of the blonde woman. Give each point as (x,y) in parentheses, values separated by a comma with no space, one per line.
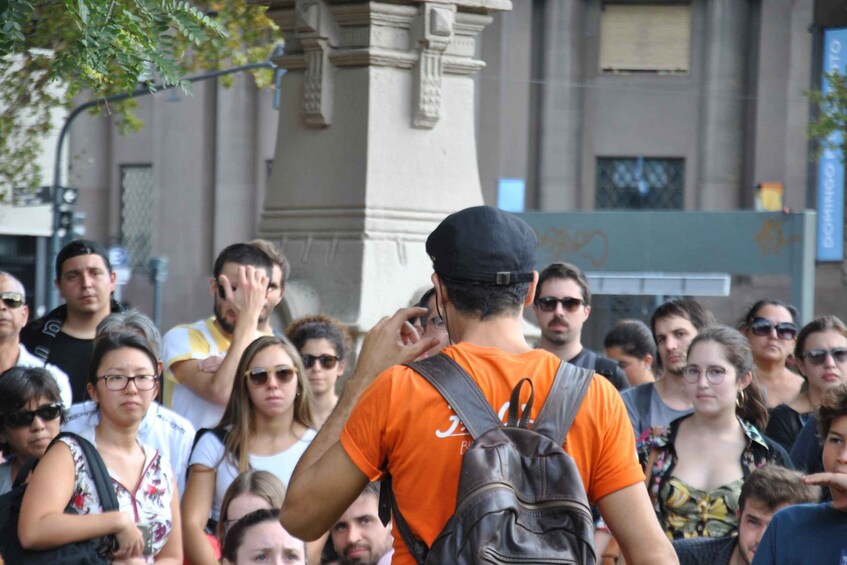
(267,425)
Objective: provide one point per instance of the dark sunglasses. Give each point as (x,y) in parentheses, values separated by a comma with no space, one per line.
(12,300)
(548,303)
(818,356)
(258,376)
(222,292)
(24,418)
(762,327)
(327,361)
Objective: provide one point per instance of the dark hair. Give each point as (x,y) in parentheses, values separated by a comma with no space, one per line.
(751,405)
(834,406)
(817,325)
(687,308)
(109,341)
(482,300)
(239,412)
(275,257)
(18,386)
(320,327)
(243,254)
(424,301)
(236,534)
(564,270)
(633,337)
(81,247)
(758,305)
(773,486)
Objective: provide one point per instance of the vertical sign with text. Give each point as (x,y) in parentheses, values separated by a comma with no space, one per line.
(831,165)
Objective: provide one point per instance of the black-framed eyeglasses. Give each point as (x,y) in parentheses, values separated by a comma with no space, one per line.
(326,361)
(437,323)
(762,327)
(120,382)
(715,375)
(569,303)
(258,376)
(25,418)
(818,356)
(12,300)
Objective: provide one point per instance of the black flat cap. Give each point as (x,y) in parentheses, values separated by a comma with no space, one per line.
(485,245)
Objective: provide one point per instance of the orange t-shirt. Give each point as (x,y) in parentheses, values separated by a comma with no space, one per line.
(402,424)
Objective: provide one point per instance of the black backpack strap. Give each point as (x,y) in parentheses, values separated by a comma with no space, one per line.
(563,401)
(460,391)
(97,468)
(643,396)
(23,474)
(219,433)
(473,409)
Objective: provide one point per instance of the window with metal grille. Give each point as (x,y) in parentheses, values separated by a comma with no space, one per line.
(137,213)
(645,38)
(639,183)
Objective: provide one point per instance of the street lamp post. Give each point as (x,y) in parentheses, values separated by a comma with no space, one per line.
(55,244)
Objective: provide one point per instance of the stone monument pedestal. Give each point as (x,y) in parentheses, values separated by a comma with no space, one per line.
(375,146)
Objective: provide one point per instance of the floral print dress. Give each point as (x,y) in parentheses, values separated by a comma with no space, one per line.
(149,504)
(688,512)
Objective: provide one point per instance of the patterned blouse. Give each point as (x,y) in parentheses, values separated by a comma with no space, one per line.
(149,504)
(687,512)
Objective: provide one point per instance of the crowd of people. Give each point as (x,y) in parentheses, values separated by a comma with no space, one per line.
(230,440)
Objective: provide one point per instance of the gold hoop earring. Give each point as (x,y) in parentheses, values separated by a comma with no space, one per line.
(739,400)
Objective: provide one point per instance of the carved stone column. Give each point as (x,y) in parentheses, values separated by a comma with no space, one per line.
(375,145)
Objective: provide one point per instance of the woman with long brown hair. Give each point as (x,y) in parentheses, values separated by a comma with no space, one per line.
(267,425)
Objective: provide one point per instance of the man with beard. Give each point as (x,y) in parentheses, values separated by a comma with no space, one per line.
(767,490)
(359,538)
(674,324)
(562,305)
(239,291)
(64,337)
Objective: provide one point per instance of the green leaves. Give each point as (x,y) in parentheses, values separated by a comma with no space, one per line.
(106,47)
(832,115)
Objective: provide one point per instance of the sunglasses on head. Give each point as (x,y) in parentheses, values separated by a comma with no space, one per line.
(326,361)
(818,356)
(12,300)
(24,418)
(548,303)
(762,327)
(258,376)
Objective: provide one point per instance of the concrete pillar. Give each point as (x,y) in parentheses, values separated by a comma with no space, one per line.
(375,145)
(560,123)
(722,114)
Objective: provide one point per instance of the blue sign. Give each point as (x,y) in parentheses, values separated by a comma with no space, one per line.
(510,194)
(831,165)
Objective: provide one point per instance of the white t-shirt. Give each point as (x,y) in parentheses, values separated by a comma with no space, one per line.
(209,452)
(192,341)
(27,359)
(167,432)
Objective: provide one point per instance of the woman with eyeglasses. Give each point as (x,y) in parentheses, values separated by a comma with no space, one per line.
(267,425)
(323,343)
(30,415)
(821,357)
(770,326)
(61,506)
(697,465)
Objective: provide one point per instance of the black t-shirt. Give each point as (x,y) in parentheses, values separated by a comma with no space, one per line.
(610,369)
(73,356)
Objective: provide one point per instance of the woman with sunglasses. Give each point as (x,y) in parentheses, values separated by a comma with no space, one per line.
(30,416)
(770,326)
(267,425)
(697,465)
(323,343)
(60,505)
(821,358)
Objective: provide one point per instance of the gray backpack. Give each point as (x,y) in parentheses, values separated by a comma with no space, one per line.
(520,496)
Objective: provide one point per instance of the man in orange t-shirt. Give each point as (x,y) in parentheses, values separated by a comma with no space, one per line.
(390,419)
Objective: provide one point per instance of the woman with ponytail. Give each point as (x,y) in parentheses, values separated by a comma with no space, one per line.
(697,465)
